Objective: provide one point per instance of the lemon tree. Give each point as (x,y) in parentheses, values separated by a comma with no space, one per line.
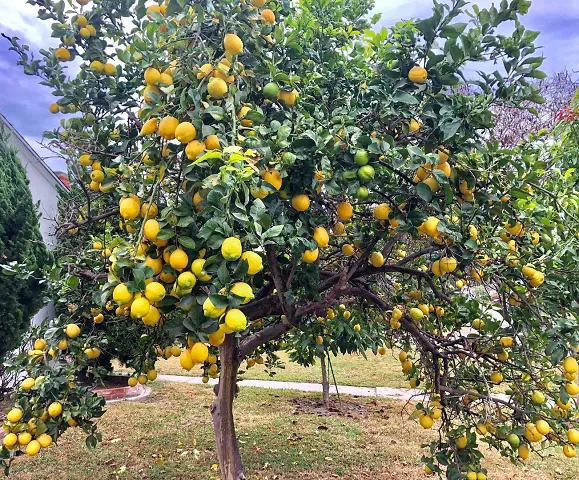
(246,166)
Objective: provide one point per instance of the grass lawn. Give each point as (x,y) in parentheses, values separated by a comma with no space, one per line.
(169,436)
(377,371)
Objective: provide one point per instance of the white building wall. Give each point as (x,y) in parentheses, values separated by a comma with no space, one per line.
(44,186)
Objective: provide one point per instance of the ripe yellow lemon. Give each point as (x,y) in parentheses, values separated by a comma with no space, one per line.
(185,132)
(155,292)
(167,127)
(72,330)
(338,228)
(417,74)
(461,442)
(254,261)
(150,94)
(321,237)
(45,440)
(132,381)
(310,256)
(185,360)
(130,207)
(273,177)
(217,88)
(212,143)
(232,44)
(152,318)
(570,365)
(572,435)
(179,259)
(151,229)
(211,310)
(345,211)
(54,409)
(506,342)
(242,289)
(288,98)
(24,438)
(62,54)
(268,16)
(33,448)
(543,427)
(300,202)
(569,451)
(10,441)
(426,421)
(382,211)
(110,69)
(155,263)
(140,307)
(376,259)
(14,415)
(231,249)
(199,352)
(216,338)
(197,268)
(27,384)
(348,249)
(121,294)
(194,149)
(149,211)
(152,76)
(186,280)
(235,320)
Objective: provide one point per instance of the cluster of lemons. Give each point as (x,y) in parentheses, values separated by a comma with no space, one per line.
(31,432)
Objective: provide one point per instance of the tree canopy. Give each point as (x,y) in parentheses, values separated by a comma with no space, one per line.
(248,167)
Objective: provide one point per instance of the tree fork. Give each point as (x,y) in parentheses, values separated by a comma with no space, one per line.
(222,413)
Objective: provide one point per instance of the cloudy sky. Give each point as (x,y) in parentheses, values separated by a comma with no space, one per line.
(25,103)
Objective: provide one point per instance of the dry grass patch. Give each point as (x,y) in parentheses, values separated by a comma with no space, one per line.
(170,437)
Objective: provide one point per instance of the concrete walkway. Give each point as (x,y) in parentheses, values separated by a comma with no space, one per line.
(379,392)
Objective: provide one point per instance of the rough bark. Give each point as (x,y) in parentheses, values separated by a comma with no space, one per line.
(325,382)
(222,413)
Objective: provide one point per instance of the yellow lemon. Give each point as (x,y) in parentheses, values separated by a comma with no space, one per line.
(151,229)
(33,448)
(155,292)
(217,88)
(152,317)
(194,149)
(235,320)
(310,256)
(321,237)
(376,259)
(167,127)
(242,289)
(199,352)
(185,132)
(130,207)
(72,330)
(232,44)
(345,211)
(255,262)
(231,249)
(300,202)
(212,143)
(54,409)
(152,76)
(273,177)
(211,310)
(179,259)
(382,211)
(417,74)
(140,307)
(185,360)
(348,249)
(197,268)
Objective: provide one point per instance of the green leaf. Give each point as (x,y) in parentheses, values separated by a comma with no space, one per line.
(223,273)
(449,129)
(273,232)
(187,242)
(424,192)
(219,301)
(165,234)
(403,97)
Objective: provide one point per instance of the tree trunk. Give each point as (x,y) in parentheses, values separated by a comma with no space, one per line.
(325,383)
(222,413)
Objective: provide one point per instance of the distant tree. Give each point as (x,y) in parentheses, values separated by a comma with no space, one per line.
(514,124)
(20,242)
